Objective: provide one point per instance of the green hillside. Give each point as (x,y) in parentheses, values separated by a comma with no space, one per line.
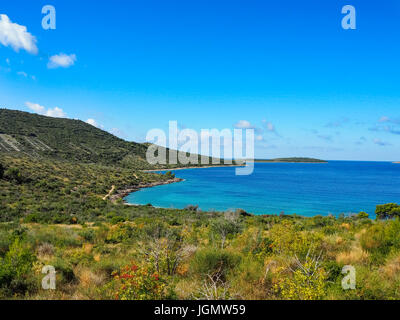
(68,139)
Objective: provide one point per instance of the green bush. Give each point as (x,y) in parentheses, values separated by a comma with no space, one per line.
(65,273)
(15,268)
(376,242)
(362,215)
(387,211)
(214,261)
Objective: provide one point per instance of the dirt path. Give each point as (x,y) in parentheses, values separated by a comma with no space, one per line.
(109,193)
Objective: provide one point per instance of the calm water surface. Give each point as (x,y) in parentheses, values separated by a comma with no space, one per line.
(303,188)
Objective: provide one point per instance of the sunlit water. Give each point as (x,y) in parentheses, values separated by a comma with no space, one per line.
(306,189)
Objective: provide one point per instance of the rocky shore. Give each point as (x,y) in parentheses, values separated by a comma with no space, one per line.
(120,194)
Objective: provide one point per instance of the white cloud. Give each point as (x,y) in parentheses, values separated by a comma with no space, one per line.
(16,36)
(25,75)
(243,124)
(61,60)
(36,107)
(8,61)
(259,138)
(94,123)
(117,132)
(269,126)
(55,112)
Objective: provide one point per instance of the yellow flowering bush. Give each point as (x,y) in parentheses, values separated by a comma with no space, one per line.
(307,283)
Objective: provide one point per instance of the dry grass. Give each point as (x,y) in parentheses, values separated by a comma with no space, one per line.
(391,269)
(45,251)
(88,278)
(186,288)
(356,255)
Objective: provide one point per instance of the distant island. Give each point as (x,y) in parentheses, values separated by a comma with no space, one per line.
(293,159)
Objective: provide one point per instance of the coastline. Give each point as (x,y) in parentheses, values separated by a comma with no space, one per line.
(290,161)
(198,167)
(230,165)
(121,194)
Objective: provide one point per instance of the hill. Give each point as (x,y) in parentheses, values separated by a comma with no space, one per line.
(68,139)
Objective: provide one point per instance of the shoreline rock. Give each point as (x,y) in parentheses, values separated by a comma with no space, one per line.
(120,194)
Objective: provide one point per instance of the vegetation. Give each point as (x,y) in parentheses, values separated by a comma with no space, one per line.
(388,211)
(68,213)
(178,254)
(68,139)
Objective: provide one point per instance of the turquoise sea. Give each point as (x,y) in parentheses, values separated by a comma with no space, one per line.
(306,189)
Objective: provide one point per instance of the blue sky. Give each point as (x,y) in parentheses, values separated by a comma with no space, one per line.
(285,67)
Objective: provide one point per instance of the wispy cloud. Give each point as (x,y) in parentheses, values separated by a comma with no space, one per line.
(25,75)
(94,123)
(387,124)
(337,123)
(325,137)
(393,129)
(390,120)
(117,132)
(61,60)
(55,112)
(22,73)
(270,127)
(243,124)
(361,141)
(381,143)
(16,36)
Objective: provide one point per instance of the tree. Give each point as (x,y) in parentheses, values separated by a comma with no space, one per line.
(1,171)
(387,211)
(362,215)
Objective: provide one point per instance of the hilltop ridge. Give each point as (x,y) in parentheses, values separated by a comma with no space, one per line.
(69,139)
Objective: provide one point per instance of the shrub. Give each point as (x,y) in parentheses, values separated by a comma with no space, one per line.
(117,219)
(387,211)
(15,268)
(363,215)
(210,262)
(14,174)
(308,282)
(170,175)
(376,242)
(46,249)
(288,240)
(192,207)
(65,273)
(139,283)
(88,234)
(225,229)
(119,233)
